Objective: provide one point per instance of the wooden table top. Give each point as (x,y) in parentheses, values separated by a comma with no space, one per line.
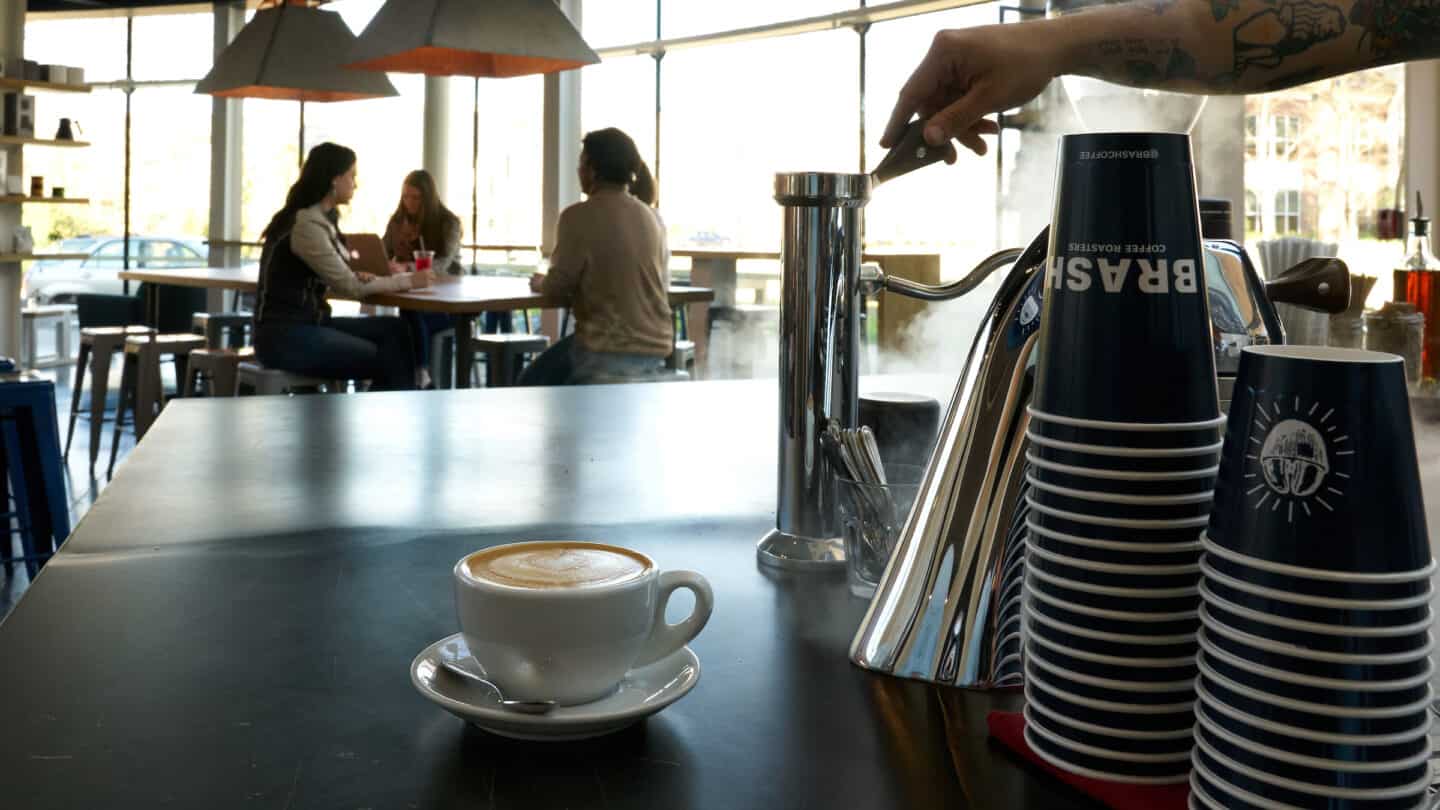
(452,294)
(232,623)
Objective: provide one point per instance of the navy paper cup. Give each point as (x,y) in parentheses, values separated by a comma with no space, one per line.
(1369,673)
(1320,698)
(1110,738)
(1178,649)
(1108,506)
(1158,727)
(1324,723)
(1231,565)
(1184,530)
(1125,331)
(1347,641)
(1285,609)
(1113,458)
(1322,779)
(1110,478)
(1174,630)
(1079,684)
(1140,578)
(1119,553)
(1052,748)
(1319,469)
(1169,601)
(1256,787)
(1116,668)
(1207,793)
(1300,746)
(1083,432)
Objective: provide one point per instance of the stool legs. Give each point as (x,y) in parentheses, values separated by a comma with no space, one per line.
(99,390)
(80,364)
(147,388)
(131,369)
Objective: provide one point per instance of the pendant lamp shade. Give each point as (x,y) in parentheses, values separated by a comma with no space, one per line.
(292,52)
(495,38)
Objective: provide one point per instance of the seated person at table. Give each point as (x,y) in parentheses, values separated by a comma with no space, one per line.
(304,260)
(611,262)
(422,222)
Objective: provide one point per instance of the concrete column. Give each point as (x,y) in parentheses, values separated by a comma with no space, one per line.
(12,45)
(1422,133)
(226,170)
(436,157)
(561,187)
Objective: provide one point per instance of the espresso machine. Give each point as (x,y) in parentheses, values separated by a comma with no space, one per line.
(947,607)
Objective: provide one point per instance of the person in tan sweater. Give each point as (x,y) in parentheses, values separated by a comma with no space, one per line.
(611,261)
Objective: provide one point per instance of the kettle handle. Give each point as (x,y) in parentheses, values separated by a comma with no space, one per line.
(1321,284)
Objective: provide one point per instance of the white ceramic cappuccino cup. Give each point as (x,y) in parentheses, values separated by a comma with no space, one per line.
(565,620)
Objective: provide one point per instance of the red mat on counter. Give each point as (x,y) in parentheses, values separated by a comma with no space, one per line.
(1009,729)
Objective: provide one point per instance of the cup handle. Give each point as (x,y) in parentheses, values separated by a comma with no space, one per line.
(666,638)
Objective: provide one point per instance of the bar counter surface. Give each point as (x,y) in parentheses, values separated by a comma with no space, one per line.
(232,623)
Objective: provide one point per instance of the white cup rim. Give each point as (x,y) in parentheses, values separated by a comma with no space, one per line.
(1113,545)
(464,576)
(1032,700)
(1121,475)
(1125,452)
(1333,684)
(1296,651)
(1303,760)
(1120,498)
(1316,573)
(1121,523)
(1102,753)
(1100,658)
(1113,568)
(1309,600)
(1081,770)
(1100,424)
(1320,791)
(1321,709)
(1208,802)
(1109,590)
(1106,705)
(1203,697)
(1151,687)
(1327,354)
(1117,615)
(1208,596)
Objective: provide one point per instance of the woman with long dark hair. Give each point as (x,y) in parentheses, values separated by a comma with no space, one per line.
(422,222)
(303,261)
(611,261)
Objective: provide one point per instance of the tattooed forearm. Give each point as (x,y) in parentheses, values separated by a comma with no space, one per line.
(1241,46)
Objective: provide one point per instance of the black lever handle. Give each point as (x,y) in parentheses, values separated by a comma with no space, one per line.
(911,153)
(1319,284)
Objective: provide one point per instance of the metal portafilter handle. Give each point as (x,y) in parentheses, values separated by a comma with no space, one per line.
(874,280)
(911,153)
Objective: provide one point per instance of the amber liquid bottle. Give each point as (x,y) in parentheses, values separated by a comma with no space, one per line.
(1417,282)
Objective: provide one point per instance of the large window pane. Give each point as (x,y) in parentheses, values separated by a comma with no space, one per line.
(96,172)
(170,164)
(173,46)
(96,44)
(721,147)
(268,160)
(1327,157)
(684,18)
(621,93)
(618,22)
(511,142)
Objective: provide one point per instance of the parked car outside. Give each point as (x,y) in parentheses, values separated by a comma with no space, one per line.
(53,281)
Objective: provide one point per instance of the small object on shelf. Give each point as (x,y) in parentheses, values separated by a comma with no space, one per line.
(4,163)
(19,115)
(65,132)
(1417,282)
(1398,328)
(14,185)
(37,186)
(24,240)
(58,74)
(58,192)
(76,75)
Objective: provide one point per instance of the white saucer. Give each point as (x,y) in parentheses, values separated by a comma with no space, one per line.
(644,691)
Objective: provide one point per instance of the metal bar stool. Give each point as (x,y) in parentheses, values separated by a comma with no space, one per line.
(217,370)
(29,431)
(505,354)
(215,325)
(97,346)
(254,378)
(141,388)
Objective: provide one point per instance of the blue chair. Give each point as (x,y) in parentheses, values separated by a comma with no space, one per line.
(30,435)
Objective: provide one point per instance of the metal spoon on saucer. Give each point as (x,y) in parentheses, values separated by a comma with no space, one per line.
(520,706)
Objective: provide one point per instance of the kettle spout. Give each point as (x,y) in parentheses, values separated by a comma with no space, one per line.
(947,609)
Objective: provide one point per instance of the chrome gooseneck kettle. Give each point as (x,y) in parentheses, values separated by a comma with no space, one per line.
(947,608)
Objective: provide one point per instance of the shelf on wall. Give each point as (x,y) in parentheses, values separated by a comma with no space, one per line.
(22,84)
(34,257)
(49,200)
(15,140)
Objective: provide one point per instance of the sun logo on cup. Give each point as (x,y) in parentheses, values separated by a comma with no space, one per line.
(1295,463)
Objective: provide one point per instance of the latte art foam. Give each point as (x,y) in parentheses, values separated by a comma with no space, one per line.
(557,565)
